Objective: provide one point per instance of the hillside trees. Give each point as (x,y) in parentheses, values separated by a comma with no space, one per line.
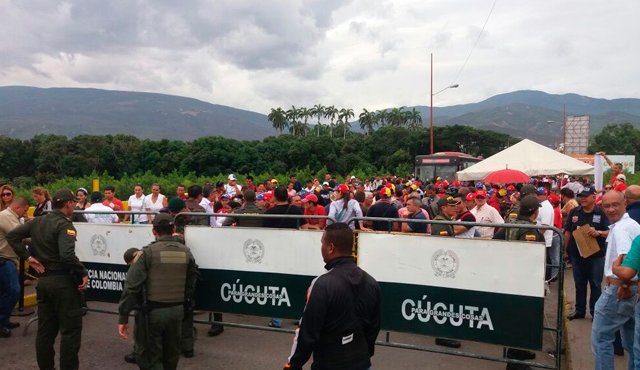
(389,149)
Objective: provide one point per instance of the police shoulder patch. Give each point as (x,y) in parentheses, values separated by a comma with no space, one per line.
(444,233)
(513,215)
(71,232)
(530,238)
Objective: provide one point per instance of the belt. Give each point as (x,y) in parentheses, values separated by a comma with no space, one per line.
(153,304)
(48,273)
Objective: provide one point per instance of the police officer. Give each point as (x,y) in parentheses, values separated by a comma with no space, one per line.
(52,250)
(446,212)
(528,210)
(512,214)
(341,319)
(166,272)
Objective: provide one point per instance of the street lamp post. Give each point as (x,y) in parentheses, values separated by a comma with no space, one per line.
(431,105)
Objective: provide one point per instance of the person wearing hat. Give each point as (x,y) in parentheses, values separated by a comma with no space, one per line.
(62,279)
(324,195)
(485,213)
(446,212)
(620,184)
(312,208)
(232,188)
(586,271)
(464,215)
(527,215)
(344,209)
(526,189)
(383,209)
(158,334)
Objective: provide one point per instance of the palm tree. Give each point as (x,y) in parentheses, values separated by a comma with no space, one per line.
(331,113)
(367,120)
(396,117)
(344,115)
(318,111)
(414,119)
(381,117)
(292,115)
(278,118)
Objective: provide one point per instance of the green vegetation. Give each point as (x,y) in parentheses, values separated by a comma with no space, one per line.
(123,160)
(296,119)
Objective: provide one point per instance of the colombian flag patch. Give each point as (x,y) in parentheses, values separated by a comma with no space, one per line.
(530,238)
(71,232)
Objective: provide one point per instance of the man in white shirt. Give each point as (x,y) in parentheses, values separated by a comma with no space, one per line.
(614,309)
(545,217)
(232,188)
(485,213)
(97,206)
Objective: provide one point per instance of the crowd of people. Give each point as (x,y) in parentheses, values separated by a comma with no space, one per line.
(395,204)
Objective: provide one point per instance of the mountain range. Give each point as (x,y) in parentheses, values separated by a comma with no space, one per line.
(27,111)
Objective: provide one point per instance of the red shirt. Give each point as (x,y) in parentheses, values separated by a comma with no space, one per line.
(319,211)
(557,218)
(115,204)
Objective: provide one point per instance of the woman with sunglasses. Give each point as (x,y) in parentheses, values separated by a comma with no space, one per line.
(6,196)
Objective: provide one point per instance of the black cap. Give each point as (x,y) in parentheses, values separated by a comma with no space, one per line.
(130,254)
(63,195)
(448,201)
(528,205)
(586,192)
(96,197)
(527,189)
(162,219)
(176,204)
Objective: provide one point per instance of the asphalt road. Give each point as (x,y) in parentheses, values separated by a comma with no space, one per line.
(240,348)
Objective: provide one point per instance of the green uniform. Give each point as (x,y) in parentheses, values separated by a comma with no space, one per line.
(186,344)
(168,272)
(514,233)
(512,213)
(441,230)
(53,240)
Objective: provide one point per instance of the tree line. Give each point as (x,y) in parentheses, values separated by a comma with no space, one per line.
(296,120)
(389,149)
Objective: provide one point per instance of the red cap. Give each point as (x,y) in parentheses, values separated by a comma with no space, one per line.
(480,194)
(553,198)
(471,196)
(385,193)
(511,188)
(310,198)
(343,188)
(456,183)
(267,196)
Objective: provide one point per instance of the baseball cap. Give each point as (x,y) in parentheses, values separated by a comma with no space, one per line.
(325,183)
(511,188)
(261,196)
(342,188)
(232,177)
(621,177)
(63,195)
(310,198)
(541,190)
(176,204)
(528,205)
(586,192)
(527,189)
(385,192)
(480,194)
(471,196)
(162,219)
(448,201)
(274,181)
(554,199)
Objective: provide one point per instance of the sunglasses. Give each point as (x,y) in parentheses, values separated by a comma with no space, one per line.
(7,194)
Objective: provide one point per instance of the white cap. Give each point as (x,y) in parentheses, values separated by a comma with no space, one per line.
(232,177)
(325,183)
(621,177)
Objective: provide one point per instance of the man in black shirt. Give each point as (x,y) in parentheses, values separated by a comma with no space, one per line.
(589,270)
(384,209)
(341,319)
(283,207)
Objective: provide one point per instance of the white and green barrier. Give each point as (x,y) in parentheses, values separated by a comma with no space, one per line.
(482,290)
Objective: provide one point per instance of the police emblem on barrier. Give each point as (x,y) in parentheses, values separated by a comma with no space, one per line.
(99,245)
(253,250)
(445,263)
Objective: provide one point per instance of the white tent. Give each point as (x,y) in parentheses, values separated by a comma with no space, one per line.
(529,157)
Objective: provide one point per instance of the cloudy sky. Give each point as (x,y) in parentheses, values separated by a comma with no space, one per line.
(260,54)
